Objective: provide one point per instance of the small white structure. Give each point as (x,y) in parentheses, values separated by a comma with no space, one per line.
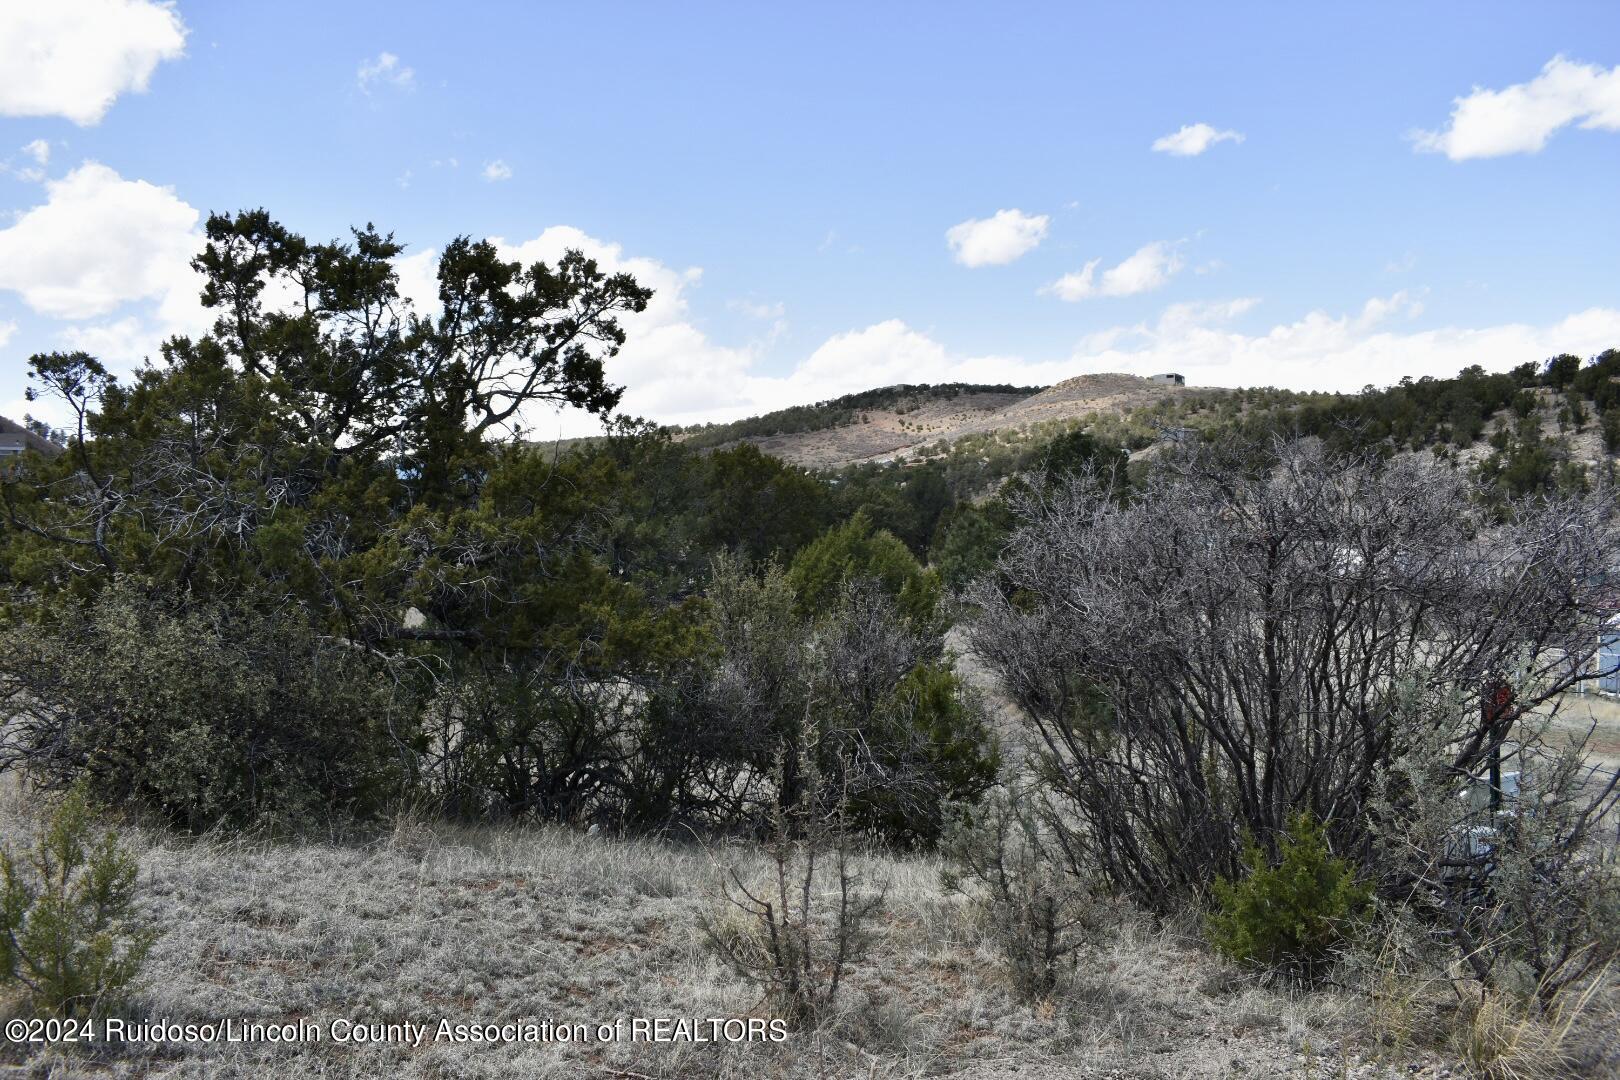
(1606,663)
(1169,378)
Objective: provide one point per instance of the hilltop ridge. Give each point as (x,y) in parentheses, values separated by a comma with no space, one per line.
(893,423)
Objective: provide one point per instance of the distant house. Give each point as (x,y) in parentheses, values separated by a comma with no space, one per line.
(14,439)
(1606,664)
(1169,378)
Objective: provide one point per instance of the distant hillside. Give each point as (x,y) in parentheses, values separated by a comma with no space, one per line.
(897,422)
(853,409)
(1540,425)
(15,438)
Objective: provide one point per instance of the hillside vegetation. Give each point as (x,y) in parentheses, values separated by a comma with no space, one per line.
(846,410)
(1115,728)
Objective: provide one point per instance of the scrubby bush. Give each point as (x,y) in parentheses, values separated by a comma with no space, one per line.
(797,928)
(214,714)
(509,743)
(1292,914)
(1524,888)
(967,543)
(856,551)
(931,738)
(900,740)
(1003,859)
(68,935)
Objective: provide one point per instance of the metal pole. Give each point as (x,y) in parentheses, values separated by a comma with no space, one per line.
(1497,699)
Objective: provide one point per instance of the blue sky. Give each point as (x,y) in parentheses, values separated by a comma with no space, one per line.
(842,196)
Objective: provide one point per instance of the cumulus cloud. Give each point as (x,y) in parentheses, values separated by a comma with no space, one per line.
(1193,139)
(669,365)
(419,279)
(6,330)
(39,150)
(1375,344)
(675,373)
(497,170)
(101,245)
(879,355)
(1521,118)
(996,240)
(1148,268)
(97,242)
(72,58)
(384,71)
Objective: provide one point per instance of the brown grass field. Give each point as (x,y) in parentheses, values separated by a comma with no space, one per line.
(426,922)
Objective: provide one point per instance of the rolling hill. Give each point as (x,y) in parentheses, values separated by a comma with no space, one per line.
(895,423)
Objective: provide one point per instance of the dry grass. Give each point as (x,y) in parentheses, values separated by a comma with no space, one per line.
(431,921)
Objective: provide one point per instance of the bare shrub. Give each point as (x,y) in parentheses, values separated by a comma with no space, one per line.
(796,930)
(1242,638)
(1003,858)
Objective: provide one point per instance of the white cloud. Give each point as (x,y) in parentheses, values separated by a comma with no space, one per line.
(39,152)
(419,279)
(99,241)
(1148,268)
(996,240)
(385,70)
(72,58)
(1317,351)
(880,355)
(102,246)
(6,330)
(122,342)
(1374,344)
(669,366)
(1193,139)
(1321,351)
(1521,118)
(757,310)
(497,170)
